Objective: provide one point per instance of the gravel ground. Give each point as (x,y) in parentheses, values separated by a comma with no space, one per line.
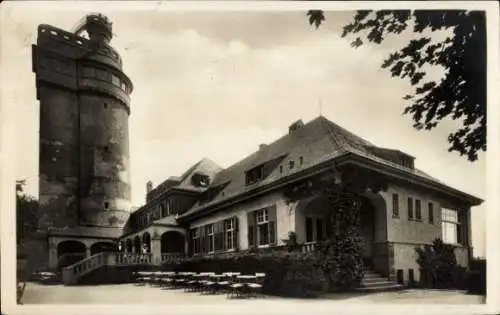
(132,294)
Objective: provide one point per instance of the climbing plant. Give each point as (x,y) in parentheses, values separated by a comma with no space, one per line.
(341,253)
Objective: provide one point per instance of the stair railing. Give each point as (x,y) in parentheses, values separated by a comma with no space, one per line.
(71,273)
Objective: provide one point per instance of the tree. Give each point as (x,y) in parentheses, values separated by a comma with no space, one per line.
(461,93)
(26,212)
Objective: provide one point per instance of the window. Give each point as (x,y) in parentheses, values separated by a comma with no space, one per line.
(169,206)
(292,164)
(101,74)
(281,169)
(418,209)
(407,162)
(88,72)
(162,210)
(410,208)
(262,227)
(123,86)
(106,205)
(431,213)
(105,105)
(319,229)
(301,160)
(115,80)
(262,218)
(195,240)
(309,229)
(451,225)
(264,233)
(106,149)
(230,234)
(254,175)
(395,205)
(210,237)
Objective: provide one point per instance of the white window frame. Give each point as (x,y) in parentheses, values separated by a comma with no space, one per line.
(262,222)
(211,238)
(194,239)
(450,217)
(229,231)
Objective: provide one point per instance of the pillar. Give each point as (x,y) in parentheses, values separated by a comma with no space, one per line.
(156,250)
(87,251)
(53,260)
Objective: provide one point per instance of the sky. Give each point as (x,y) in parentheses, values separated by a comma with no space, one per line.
(217,84)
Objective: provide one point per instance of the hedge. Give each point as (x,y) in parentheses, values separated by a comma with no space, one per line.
(291,274)
(476,280)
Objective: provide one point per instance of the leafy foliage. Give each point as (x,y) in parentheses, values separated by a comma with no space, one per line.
(461,93)
(476,280)
(340,255)
(26,212)
(292,274)
(438,266)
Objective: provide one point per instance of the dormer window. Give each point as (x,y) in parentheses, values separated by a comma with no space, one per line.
(292,164)
(407,162)
(254,175)
(200,180)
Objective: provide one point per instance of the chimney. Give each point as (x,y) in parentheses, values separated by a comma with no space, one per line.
(296,125)
(149,187)
(262,146)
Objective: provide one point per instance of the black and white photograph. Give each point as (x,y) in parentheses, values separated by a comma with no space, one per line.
(272,156)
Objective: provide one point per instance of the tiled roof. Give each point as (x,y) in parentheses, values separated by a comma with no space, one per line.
(317,141)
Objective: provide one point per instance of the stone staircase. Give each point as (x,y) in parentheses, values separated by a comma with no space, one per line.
(374,282)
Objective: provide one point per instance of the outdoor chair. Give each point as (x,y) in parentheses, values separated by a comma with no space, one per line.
(181,279)
(198,281)
(167,279)
(256,286)
(225,283)
(156,278)
(141,278)
(237,287)
(211,285)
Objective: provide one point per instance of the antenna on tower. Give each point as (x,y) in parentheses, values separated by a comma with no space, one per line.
(320,107)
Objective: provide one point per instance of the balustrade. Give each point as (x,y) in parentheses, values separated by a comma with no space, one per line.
(84,266)
(71,273)
(308,247)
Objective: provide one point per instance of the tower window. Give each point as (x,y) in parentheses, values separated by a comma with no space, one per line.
(88,72)
(101,74)
(106,205)
(115,80)
(106,149)
(105,105)
(301,160)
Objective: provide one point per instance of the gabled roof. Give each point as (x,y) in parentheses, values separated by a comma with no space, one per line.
(316,142)
(205,166)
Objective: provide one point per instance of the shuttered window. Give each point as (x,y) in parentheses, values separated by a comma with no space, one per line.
(262,227)
(231,233)
(219,236)
(210,238)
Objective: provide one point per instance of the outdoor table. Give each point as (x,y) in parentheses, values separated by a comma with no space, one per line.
(246,277)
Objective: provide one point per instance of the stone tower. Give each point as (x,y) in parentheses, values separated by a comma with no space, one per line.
(84,181)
